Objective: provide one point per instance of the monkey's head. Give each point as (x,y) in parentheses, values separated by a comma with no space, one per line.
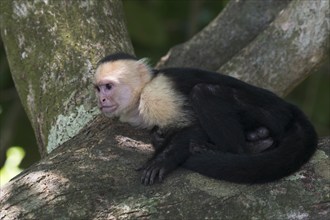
(119,80)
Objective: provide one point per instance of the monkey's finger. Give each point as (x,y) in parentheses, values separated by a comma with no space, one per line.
(263,132)
(252,136)
(144,175)
(161,174)
(153,175)
(258,134)
(147,176)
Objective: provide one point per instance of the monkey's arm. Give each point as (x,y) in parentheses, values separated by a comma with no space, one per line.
(160,138)
(171,155)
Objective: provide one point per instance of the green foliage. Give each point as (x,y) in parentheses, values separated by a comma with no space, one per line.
(11,168)
(312,96)
(155,26)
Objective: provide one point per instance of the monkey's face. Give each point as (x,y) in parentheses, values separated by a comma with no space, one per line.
(119,84)
(113,98)
(106,103)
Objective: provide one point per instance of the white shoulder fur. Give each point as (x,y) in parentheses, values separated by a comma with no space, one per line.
(161,105)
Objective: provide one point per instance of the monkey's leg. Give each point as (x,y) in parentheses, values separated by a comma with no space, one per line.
(257,141)
(218,116)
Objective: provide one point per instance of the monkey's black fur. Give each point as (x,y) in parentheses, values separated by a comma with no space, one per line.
(226,109)
(115,57)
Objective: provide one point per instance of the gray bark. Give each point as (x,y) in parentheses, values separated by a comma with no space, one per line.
(268,45)
(91,175)
(52,49)
(225,36)
(287,51)
(95,179)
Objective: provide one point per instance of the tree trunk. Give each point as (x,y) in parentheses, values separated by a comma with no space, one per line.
(52,49)
(91,175)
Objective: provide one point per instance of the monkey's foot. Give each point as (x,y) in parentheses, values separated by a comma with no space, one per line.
(258,134)
(260,146)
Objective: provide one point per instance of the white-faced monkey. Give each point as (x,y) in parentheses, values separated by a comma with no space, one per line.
(204,121)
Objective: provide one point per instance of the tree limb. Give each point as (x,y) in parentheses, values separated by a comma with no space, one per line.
(274,50)
(234,28)
(286,52)
(90,180)
(91,175)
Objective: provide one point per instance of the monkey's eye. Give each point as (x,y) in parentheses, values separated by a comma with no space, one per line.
(97,88)
(108,86)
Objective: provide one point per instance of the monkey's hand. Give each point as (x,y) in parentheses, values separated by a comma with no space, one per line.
(155,168)
(158,139)
(174,152)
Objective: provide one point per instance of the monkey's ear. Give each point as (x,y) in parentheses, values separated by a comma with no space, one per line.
(144,69)
(144,62)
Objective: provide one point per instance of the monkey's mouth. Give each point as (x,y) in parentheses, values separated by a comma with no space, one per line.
(108,109)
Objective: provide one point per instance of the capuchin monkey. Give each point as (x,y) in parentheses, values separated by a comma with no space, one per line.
(204,121)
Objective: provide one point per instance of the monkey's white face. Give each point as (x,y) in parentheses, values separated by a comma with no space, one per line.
(105,102)
(113,99)
(118,86)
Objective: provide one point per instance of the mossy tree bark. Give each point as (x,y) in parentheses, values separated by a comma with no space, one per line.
(89,173)
(52,49)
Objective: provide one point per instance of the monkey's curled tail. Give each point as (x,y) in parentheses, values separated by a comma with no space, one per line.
(296,148)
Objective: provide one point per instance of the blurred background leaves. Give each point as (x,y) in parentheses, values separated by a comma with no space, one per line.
(154,26)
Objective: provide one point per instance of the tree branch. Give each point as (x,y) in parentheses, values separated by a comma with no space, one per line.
(87,180)
(286,52)
(261,46)
(234,28)
(91,176)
